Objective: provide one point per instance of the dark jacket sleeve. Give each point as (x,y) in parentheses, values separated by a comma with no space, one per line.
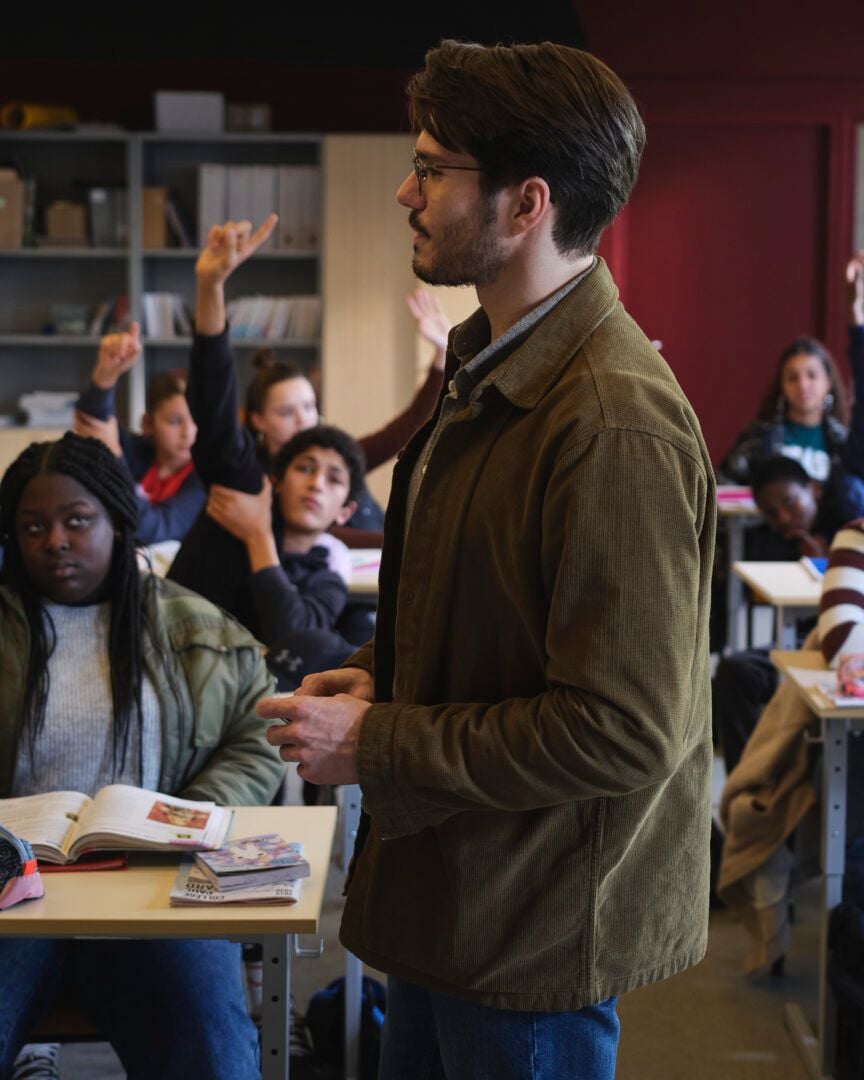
(386,443)
(173,518)
(282,607)
(137,449)
(224,452)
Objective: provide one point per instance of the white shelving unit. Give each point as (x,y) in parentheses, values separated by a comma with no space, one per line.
(65,165)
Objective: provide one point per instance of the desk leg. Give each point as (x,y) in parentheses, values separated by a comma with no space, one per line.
(736,635)
(785,632)
(276,1007)
(353,966)
(819,1052)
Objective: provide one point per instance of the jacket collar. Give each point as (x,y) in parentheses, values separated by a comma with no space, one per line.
(526,375)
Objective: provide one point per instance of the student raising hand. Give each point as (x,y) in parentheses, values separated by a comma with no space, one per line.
(117,353)
(228,246)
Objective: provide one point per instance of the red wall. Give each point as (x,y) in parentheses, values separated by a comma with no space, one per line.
(736,237)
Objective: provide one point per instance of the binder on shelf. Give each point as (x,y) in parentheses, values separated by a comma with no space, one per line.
(154,233)
(265,200)
(178,229)
(100,205)
(11,210)
(240,193)
(212,199)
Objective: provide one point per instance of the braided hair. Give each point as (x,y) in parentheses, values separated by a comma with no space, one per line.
(94,467)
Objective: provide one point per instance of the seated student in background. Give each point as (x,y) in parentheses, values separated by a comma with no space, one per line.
(281,588)
(170,493)
(112,676)
(803,416)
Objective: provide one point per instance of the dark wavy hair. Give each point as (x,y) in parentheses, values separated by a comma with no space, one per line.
(269,370)
(328,438)
(536,110)
(94,467)
(772,408)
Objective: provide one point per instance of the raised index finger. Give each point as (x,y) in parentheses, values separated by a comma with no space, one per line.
(262,232)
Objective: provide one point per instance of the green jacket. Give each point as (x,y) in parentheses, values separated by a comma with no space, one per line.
(213,744)
(537,766)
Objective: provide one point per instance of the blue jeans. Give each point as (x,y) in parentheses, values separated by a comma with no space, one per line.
(432,1036)
(172,1009)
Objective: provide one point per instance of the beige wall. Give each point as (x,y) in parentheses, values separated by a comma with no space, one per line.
(371,353)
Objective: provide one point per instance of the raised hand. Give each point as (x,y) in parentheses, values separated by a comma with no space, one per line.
(228,246)
(431,321)
(855,288)
(117,353)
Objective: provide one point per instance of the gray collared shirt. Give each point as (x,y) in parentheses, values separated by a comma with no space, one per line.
(478,357)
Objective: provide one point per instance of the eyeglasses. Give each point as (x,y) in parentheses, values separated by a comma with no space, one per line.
(422,168)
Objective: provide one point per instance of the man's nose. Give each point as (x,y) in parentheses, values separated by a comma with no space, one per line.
(409,193)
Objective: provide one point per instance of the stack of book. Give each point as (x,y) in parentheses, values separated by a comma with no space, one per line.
(263,869)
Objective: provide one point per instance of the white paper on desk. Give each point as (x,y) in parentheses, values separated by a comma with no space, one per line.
(825,682)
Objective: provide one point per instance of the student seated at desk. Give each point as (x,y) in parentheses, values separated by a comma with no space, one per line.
(111,676)
(802,517)
(280,586)
(773,786)
(170,493)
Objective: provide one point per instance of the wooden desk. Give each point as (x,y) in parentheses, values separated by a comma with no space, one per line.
(736,509)
(134,903)
(786,586)
(802,668)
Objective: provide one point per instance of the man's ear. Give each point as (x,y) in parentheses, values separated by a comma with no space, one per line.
(530,202)
(346,513)
(256,421)
(146,423)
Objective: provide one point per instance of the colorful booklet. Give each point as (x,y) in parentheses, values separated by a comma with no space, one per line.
(253,860)
(61,825)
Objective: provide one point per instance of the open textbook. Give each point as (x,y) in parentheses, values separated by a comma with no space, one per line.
(61,825)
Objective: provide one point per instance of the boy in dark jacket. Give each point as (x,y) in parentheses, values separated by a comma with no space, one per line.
(283,589)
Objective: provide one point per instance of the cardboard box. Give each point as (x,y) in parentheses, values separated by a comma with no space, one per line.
(66,224)
(154,231)
(11,210)
(181,110)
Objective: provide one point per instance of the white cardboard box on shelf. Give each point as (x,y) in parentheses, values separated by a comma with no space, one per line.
(184,110)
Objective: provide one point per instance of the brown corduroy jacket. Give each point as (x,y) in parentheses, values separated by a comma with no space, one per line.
(536,768)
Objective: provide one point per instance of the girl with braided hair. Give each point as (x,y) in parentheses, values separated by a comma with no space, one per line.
(108,676)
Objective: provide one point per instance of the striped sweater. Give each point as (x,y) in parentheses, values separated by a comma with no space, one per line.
(841,609)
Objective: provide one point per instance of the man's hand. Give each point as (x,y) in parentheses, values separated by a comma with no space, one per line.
(228,246)
(320,734)
(106,431)
(117,353)
(349,680)
(855,288)
(245,516)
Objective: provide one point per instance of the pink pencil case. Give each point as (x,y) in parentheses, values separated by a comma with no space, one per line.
(19,871)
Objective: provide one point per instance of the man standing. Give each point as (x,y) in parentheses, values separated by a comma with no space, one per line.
(530,728)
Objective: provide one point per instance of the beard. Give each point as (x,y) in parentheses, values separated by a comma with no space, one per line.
(466,252)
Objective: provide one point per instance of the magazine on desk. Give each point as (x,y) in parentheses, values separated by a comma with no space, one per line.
(190,887)
(60,825)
